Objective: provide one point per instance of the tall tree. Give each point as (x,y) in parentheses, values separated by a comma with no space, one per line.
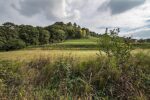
(29,34)
(44,36)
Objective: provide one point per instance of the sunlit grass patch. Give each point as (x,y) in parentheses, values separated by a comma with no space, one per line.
(53,54)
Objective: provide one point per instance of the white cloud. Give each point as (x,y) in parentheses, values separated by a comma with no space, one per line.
(94,14)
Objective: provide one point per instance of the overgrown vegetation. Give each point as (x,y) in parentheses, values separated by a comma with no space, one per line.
(115,75)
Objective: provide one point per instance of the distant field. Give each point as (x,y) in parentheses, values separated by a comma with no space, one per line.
(90,43)
(74,44)
(91,40)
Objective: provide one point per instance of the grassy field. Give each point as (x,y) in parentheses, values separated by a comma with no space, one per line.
(90,43)
(64,74)
(82,55)
(78,48)
(74,44)
(53,54)
(73,70)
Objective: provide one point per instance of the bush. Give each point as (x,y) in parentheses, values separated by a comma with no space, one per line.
(129,83)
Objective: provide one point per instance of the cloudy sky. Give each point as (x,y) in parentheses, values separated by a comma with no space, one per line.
(132,16)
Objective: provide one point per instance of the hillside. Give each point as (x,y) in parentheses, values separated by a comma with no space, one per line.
(90,43)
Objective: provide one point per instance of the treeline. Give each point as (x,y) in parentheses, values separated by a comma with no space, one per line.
(143,40)
(14,36)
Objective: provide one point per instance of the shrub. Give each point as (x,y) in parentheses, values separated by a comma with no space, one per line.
(122,62)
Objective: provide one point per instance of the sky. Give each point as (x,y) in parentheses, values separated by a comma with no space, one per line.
(131,16)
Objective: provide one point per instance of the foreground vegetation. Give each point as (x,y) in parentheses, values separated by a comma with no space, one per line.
(117,73)
(69,78)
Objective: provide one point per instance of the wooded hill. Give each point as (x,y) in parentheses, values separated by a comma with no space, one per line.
(14,36)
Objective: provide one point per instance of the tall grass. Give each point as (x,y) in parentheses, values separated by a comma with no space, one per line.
(27,55)
(66,78)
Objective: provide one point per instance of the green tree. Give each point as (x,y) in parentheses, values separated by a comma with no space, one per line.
(69,24)
(29,34)
(75,25)
(7,33)
(9,25)
(83,33)
(57,35)
(44,36)
(14,44)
